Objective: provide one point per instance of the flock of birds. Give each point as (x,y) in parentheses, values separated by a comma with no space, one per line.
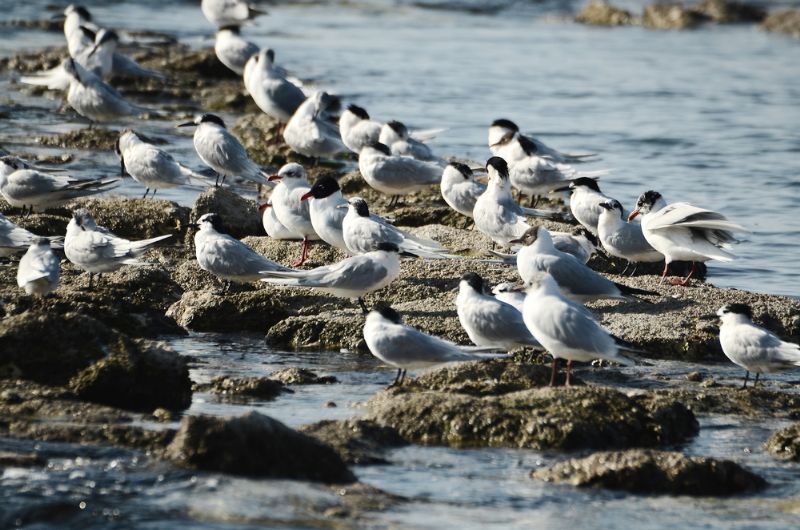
(545,311)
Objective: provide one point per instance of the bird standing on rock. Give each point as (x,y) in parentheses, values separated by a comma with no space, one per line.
(290,209)
(232,50)
(357,129)
(229,12)
(310,131)
(275,95)
(39,269)
(623,239)
(395,175)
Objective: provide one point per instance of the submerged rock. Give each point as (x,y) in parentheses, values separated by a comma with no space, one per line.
(358,442)
(547,418)
(255,445)
(644,471)
(235,387)
(601,13)
(671,16)
(240,216)
(785,443)
(786,22)
(140,376)
(301,376)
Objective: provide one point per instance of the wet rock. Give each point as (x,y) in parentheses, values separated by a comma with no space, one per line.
(601,13)
(43,59)
(240,216)
(255,387)
(727,12)
(286,252)
(45,24)
(358,442)
(137,218)
(785,443)
(139,376)
(485,378)
(87,138)
(255,445)
(547,418)
(671,16)
(786,22)
(262,136)
(748,402)
(239,311)
(11,459)
(183,61)
(643,471)
(326,330)
(301,376)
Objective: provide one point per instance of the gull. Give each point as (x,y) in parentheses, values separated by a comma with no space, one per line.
(149,165)
(682,232)
(14,239)
(226,257)
(404,347)
(96,250)
(267,85)
(395,175)
(31,188)
(232,50)
(353,277)
(229,12)
(622,239)
(39,268)
(567,330)
(93,98)
(576,280)
(752,347)
(585,200)
(488,321)
(510,293)
(310,132)
(10,163)
(502,129)
(272,226)
(222,151)
(289,208)
(459,188)
(580,243)
(357,129)
(394,134)
(363,232)
(496,214)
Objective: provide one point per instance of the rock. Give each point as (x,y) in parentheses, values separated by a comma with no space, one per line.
(262,136)
(671,16)
(240,216)
(11,459)
(242,311)
(485,378)
(358,442)
(786,22)
(87,138)
(139,376)
(255,387)
(727,12)
(748,402)
(694,377)
(43,59)
(183,61)
(601,13)
(255,445)
(546,418)
(327,330)
(286,252)
(301,376)
(45,24)
(137,218)
(785,443)
(661,472)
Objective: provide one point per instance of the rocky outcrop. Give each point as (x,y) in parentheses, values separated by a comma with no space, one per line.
(358,442)
(244,387)
(785,443)
(239,311)
(240,216)
(301,376)
(487,378)
(601,13)
(661,472)
(257,446)
(786,22)
(671,16)
(727,12)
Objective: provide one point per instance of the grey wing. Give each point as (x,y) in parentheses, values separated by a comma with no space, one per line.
(629,239)
(578,279)
(124,65)
(421,349)
(406,171)
(754,343)
(13,236)
(501,322)
(356,273)
(509,211)
(574,326)
(237,259)
(286,95)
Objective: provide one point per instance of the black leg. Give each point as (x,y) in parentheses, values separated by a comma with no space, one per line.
(90,280)
(216,181)
(396,379)
(755,383)
(363,305)
(746,377)
(223,179)
(154,194)
(146,191)
(402,377)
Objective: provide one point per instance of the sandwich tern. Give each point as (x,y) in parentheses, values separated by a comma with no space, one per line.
(272,226)
(395,175)
(624,239)
(584,201)
(232,50)
(267,85)
(357,129)
(39,268)
(502,129)
(223,13)
(459,188)
(310,131)
(395,135)
(15,239)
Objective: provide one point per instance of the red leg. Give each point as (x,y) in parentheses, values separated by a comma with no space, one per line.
(554,372)
(666,270)
(304,255)
(685,281)
(569,373)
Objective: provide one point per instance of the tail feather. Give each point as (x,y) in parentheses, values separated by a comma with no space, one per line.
(139,247)
(632,292)
(55,79)
(624,345)
(546,214)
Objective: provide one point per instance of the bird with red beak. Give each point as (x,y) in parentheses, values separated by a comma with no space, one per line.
(290,209)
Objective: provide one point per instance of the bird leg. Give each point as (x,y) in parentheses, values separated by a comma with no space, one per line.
(627,264)
(146,191)
(91,275)
(216,181)
(363,305)
(635,268)
(396,381)
(554,372)
(746,377)
(568,382)
(755,383)
(223,179)
(685,281)
(534,200)
(402,377)
(664,274)
(304,254)
(153,195)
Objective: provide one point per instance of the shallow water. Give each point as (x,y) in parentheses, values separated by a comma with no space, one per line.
(708,116)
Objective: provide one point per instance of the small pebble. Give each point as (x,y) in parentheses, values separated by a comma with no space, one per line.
(694,376)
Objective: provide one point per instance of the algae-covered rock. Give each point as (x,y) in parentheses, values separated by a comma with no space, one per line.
(671,16)
(236,387)
(647,471)
(786,22)
(602,13)
(137,218)
(35,62)
(241,311)
(262,136)
(240,216)
(87,138)
(728,12)
(137,375)
(255,445)
(547,418)
(301,376)
(485,378)
(748,402)
(785,443)
(326,330)
(358,442)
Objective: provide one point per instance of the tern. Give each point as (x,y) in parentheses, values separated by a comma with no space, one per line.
(496,214)
(357,129)
(585,200)
(406,348)
(395,175)
(93,98)
(566,329)
(353,277)
(222,151)
(15,239)
(502,129)
(232,50)
(149,165)
(395,135)
(488,321)
(622,239)
(39,269)
(272,226)
(275,95)
(682,232)
(752,347)
(310,132)
(289,207)
(510,293)
(223,13)
(459,188)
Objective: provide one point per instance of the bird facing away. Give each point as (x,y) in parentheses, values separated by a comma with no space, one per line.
(683,232)
(232,50)
(585,200)
(394,135)
(93,98)
(275,95)
(39,269)
(223,13)
(752,347)
(310,131)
